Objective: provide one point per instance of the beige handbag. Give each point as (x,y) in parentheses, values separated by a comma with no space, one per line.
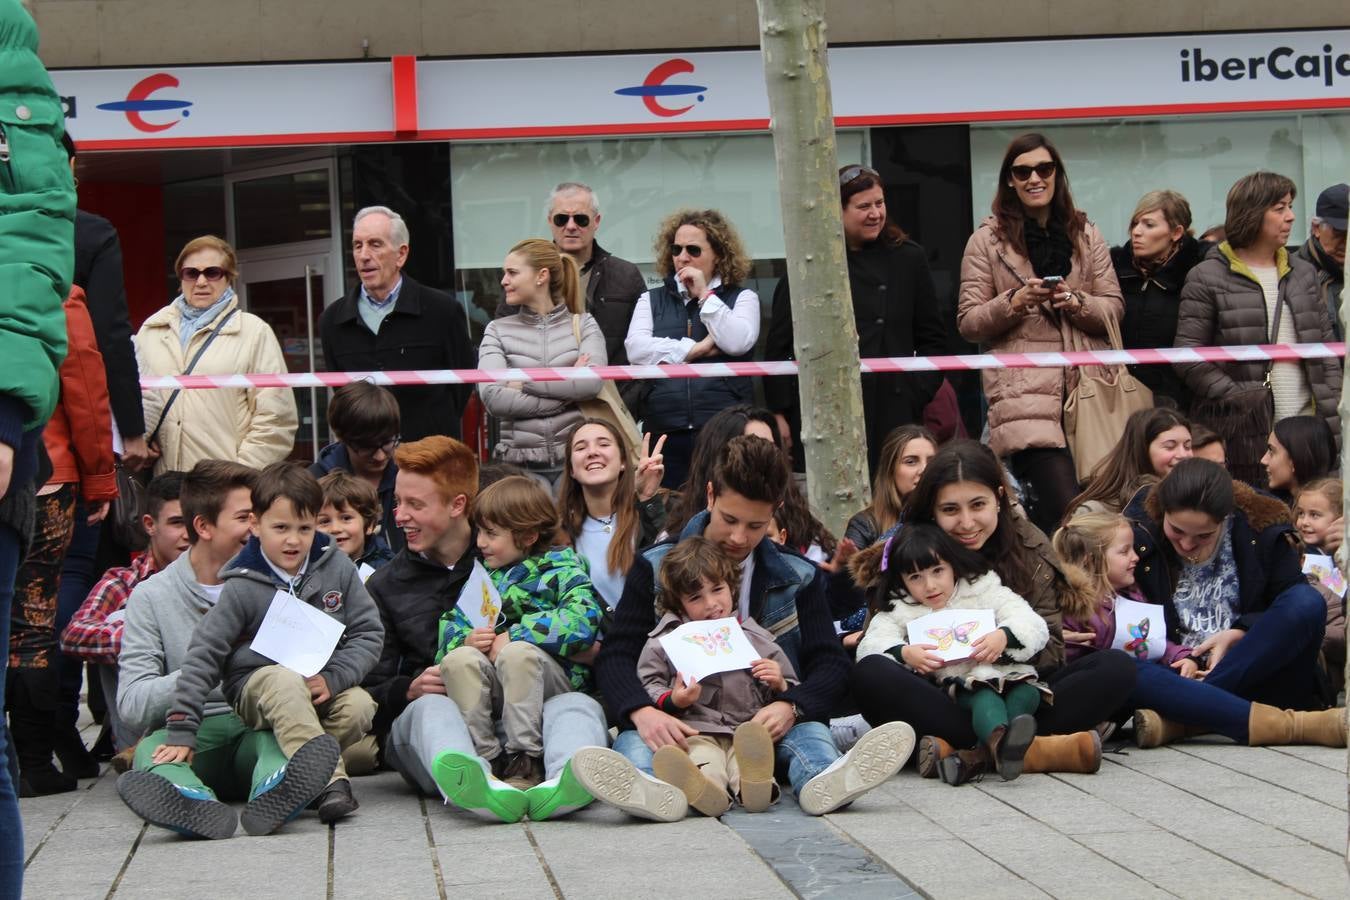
(1096,411)
(609,406)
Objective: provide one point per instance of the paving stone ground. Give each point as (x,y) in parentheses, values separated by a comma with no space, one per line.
(1203,819)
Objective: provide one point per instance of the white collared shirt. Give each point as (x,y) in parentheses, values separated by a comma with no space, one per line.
(734,329)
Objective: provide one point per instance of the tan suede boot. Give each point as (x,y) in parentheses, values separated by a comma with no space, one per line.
(1269,726)
(931,751)
(1080,752)
(1152,730)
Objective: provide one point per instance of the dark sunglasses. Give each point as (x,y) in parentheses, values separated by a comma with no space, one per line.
(371,449)
(852,173)
(560,219)
(212,273)
(1044,170)
(694,250)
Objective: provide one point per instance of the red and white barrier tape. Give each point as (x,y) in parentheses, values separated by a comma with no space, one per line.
(1242,353)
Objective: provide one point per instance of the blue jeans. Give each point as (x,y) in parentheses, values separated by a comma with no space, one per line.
(1161,689)
(802,754)
(77,580)
(11,829)
(1276,661)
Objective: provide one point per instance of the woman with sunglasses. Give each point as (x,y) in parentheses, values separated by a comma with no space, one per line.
(895,311)
(205,330)
(1035,273)
(701,313)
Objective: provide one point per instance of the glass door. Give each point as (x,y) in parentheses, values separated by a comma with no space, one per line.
(288,293)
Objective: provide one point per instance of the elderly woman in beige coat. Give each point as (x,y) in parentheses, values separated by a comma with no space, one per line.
(255,426)
(1035,273)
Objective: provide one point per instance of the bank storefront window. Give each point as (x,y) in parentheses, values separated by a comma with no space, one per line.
(500,194)
(1112,164)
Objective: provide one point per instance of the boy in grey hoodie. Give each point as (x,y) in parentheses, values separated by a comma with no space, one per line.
(284,554)
(232,761)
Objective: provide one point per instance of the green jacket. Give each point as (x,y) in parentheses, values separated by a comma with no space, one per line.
(547,600)
(37,228)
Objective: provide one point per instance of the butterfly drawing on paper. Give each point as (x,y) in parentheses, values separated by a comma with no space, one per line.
(1138,646)
(489,608)
(959,634)
(713,641)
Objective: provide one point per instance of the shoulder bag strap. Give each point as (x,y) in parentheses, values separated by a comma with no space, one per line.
(1274,335)
(192,364)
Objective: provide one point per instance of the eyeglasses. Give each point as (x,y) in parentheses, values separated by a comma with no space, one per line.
(212,273)
(560,219)
(371,449)
(854,172)
(694,250)
(1044,170)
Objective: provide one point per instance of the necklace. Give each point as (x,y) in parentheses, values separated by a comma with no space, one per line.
(607,523)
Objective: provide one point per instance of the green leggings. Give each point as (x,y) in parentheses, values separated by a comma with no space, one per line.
(231,760)
(990,710)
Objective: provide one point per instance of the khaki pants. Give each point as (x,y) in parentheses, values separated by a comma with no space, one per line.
(712,754)
(513,689)
(277,698)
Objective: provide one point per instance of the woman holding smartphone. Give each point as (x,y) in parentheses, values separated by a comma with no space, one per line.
(1035,272)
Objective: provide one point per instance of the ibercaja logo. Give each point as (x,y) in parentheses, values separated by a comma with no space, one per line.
(657,86)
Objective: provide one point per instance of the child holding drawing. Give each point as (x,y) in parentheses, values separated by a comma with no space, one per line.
(923,571)
(1318,511)
(283,557)
(549,620)
(731,757)
(1169,701)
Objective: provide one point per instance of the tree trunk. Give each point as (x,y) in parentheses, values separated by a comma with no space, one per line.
(796,74)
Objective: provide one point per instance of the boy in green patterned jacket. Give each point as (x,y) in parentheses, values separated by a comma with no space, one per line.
(549,618)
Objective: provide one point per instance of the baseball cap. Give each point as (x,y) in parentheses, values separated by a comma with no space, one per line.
(1331,205)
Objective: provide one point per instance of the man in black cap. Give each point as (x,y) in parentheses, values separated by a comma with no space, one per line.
(1325,249)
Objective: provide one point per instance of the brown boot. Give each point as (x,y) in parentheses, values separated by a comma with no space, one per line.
(931,751)
(1080,753)
(1152,730)
(1269,726)
(964,765)
(673,766)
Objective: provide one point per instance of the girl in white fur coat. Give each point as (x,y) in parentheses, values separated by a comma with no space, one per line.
(924,570)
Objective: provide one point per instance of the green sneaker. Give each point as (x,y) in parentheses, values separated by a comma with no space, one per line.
(465,781)
(557,797)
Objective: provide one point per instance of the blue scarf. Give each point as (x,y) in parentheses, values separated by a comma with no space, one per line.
(194,319)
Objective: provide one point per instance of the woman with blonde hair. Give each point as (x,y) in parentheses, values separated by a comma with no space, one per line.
(550,328)
(700,313)
(205,330)
(1151,270)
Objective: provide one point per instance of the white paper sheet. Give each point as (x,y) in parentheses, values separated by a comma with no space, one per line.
(952,630)
(364,571)
(700,649)
(479,600)
(1324,567)
(296,635)
(1140,629)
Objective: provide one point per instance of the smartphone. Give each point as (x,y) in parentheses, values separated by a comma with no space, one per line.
(1051,282)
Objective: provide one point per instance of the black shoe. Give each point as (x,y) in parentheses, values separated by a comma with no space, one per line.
(75,759)
(285,793)
(337,802)
(103,749)
(963,766)
(1013,747)
(523,771)
(188,811)
(40,781)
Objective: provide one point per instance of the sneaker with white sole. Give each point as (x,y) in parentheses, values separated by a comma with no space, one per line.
(613,779)
(558,796)
(878,755)
(466,781)
(848,731)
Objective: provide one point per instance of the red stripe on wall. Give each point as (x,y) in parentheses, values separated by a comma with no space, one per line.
(405,95)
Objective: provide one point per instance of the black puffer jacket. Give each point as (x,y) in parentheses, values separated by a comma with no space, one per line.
(1151,306)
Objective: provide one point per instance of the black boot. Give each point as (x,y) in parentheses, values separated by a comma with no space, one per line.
(76,760)
(32,727)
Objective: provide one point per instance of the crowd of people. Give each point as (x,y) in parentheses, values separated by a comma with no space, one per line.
(499,631)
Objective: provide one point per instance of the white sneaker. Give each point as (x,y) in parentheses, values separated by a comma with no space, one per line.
(847,731)
(878,755)
(613,779)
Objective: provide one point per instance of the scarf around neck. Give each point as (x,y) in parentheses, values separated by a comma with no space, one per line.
(194,319)
(1048,249)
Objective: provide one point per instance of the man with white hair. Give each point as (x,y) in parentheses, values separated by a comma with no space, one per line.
(1325,249)
(390,322)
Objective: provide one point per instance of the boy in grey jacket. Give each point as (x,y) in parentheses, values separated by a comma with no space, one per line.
(283,555)
(731,757)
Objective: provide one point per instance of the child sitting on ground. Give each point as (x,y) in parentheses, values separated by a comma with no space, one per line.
(925,570)
(351,517)
(549,616)
(1318,511)
(731,757)
(283,554)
